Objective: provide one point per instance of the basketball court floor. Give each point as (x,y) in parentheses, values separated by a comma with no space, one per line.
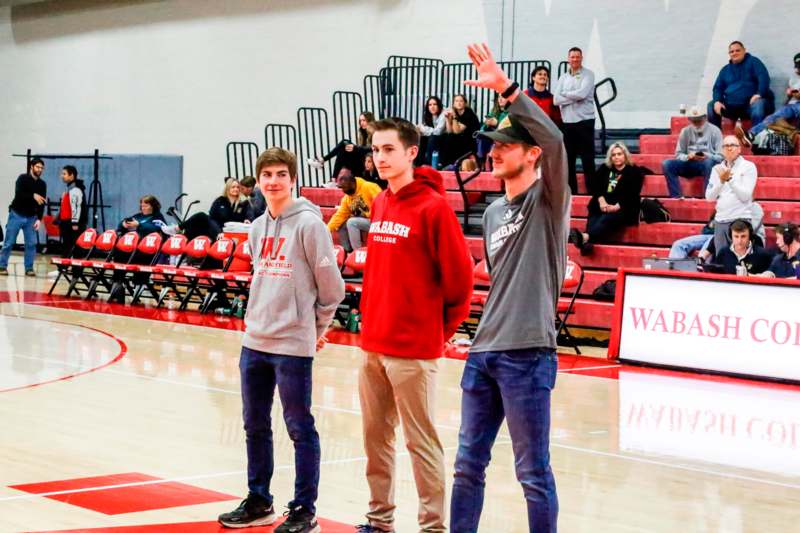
(127,419)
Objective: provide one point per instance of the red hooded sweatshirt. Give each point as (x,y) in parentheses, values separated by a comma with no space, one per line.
(418,275)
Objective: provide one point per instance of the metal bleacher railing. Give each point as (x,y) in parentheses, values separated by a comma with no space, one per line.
(400,89)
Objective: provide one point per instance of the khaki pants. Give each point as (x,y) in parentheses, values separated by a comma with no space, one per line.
(388,387)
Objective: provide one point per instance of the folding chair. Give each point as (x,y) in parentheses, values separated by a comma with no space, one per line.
(573,280)
(179,278)
(69,268)
(173,250)
(107,273)
(103,247)
(235,282)
(481,281)
(138,267)
(200,281)
(353,284)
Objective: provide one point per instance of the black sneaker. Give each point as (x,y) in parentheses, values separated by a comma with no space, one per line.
(299,520)
(30,273)
(576,237)
(3,271)
(366,528)
(253,511)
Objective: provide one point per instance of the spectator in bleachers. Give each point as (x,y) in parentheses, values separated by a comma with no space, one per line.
(787,263)
(371,173)
(25,214)
(490,123)
(432,127)
(616,198)
(148,220)
(731,184)
(741,89)
(699,148)
(537,91)
(743,257)
(255,199)
(461,123)
(574,95)
(229,207)
(789,112)
(72,214)
(352,215)
(349,154)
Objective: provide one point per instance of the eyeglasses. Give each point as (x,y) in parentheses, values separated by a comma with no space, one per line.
(731,146)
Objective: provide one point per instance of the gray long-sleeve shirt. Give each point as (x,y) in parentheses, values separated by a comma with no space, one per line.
(708,140)
(574,95)
(525,242)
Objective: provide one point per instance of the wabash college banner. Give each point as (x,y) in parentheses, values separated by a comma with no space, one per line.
(743,326)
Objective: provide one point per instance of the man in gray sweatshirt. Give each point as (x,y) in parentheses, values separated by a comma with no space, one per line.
(511,368)
(295,290)
(699,148)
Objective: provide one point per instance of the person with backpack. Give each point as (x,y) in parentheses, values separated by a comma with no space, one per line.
(616,199)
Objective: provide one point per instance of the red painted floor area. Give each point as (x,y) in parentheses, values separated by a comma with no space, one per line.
(125,499)
(328,526)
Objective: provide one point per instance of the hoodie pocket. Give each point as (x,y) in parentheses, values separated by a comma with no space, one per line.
(272,311)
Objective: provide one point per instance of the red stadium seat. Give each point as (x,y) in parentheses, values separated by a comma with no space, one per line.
(70,267)
(573,280)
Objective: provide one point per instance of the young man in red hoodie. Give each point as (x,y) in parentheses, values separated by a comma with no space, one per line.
(417,289)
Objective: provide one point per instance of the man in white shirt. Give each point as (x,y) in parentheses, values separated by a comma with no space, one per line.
(574,95)
(731,184)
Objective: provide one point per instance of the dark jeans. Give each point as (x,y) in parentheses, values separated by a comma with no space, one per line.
(579,142)
(514,385)
(260,373)
(601,225)
(68,237)
(673,168)
(353,160)
(755,112)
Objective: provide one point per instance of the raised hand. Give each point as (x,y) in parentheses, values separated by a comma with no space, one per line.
(490,75)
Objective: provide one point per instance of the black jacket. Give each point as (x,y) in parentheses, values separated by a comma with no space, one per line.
(626,193)
(23,203)
(147,223)
(756,262)
(222,211)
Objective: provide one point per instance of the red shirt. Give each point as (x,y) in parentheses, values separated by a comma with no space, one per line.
(545,101)
(418,275)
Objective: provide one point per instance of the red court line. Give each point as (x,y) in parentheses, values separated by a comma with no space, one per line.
(129,499)
(328,526)
(123,350)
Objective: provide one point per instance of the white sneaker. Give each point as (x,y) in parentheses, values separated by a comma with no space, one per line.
(313,162)
(171,229)
(52,274)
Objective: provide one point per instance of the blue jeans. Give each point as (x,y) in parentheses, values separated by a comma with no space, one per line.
(682,248)
(514,385)
(16,223)
(787,112)
(261,372)
(688,169)
(755,111)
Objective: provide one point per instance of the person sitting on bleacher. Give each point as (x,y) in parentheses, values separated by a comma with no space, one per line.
(615,199)
(537,91)
(787,263)
(461,123)
(731,184)
(432,127)
(148,220)
(490,122)
(349,154)
(371,173)
(249,190)
(741,89)
(743,257)
(789,112)
(699,148)
(230,207)
(352,215)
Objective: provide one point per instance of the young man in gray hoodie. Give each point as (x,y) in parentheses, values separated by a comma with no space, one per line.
(511,368)
(295,290)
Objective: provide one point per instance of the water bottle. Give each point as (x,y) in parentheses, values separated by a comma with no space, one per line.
(238,306)
(435,159)
(682,109)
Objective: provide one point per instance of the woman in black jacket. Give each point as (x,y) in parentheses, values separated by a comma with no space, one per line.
(461,123)
(226,208)
(616,195)
(148,220)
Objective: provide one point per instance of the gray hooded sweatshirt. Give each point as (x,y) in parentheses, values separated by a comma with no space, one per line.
(296,283)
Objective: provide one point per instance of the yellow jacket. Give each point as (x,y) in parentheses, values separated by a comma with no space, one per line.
(357,204)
